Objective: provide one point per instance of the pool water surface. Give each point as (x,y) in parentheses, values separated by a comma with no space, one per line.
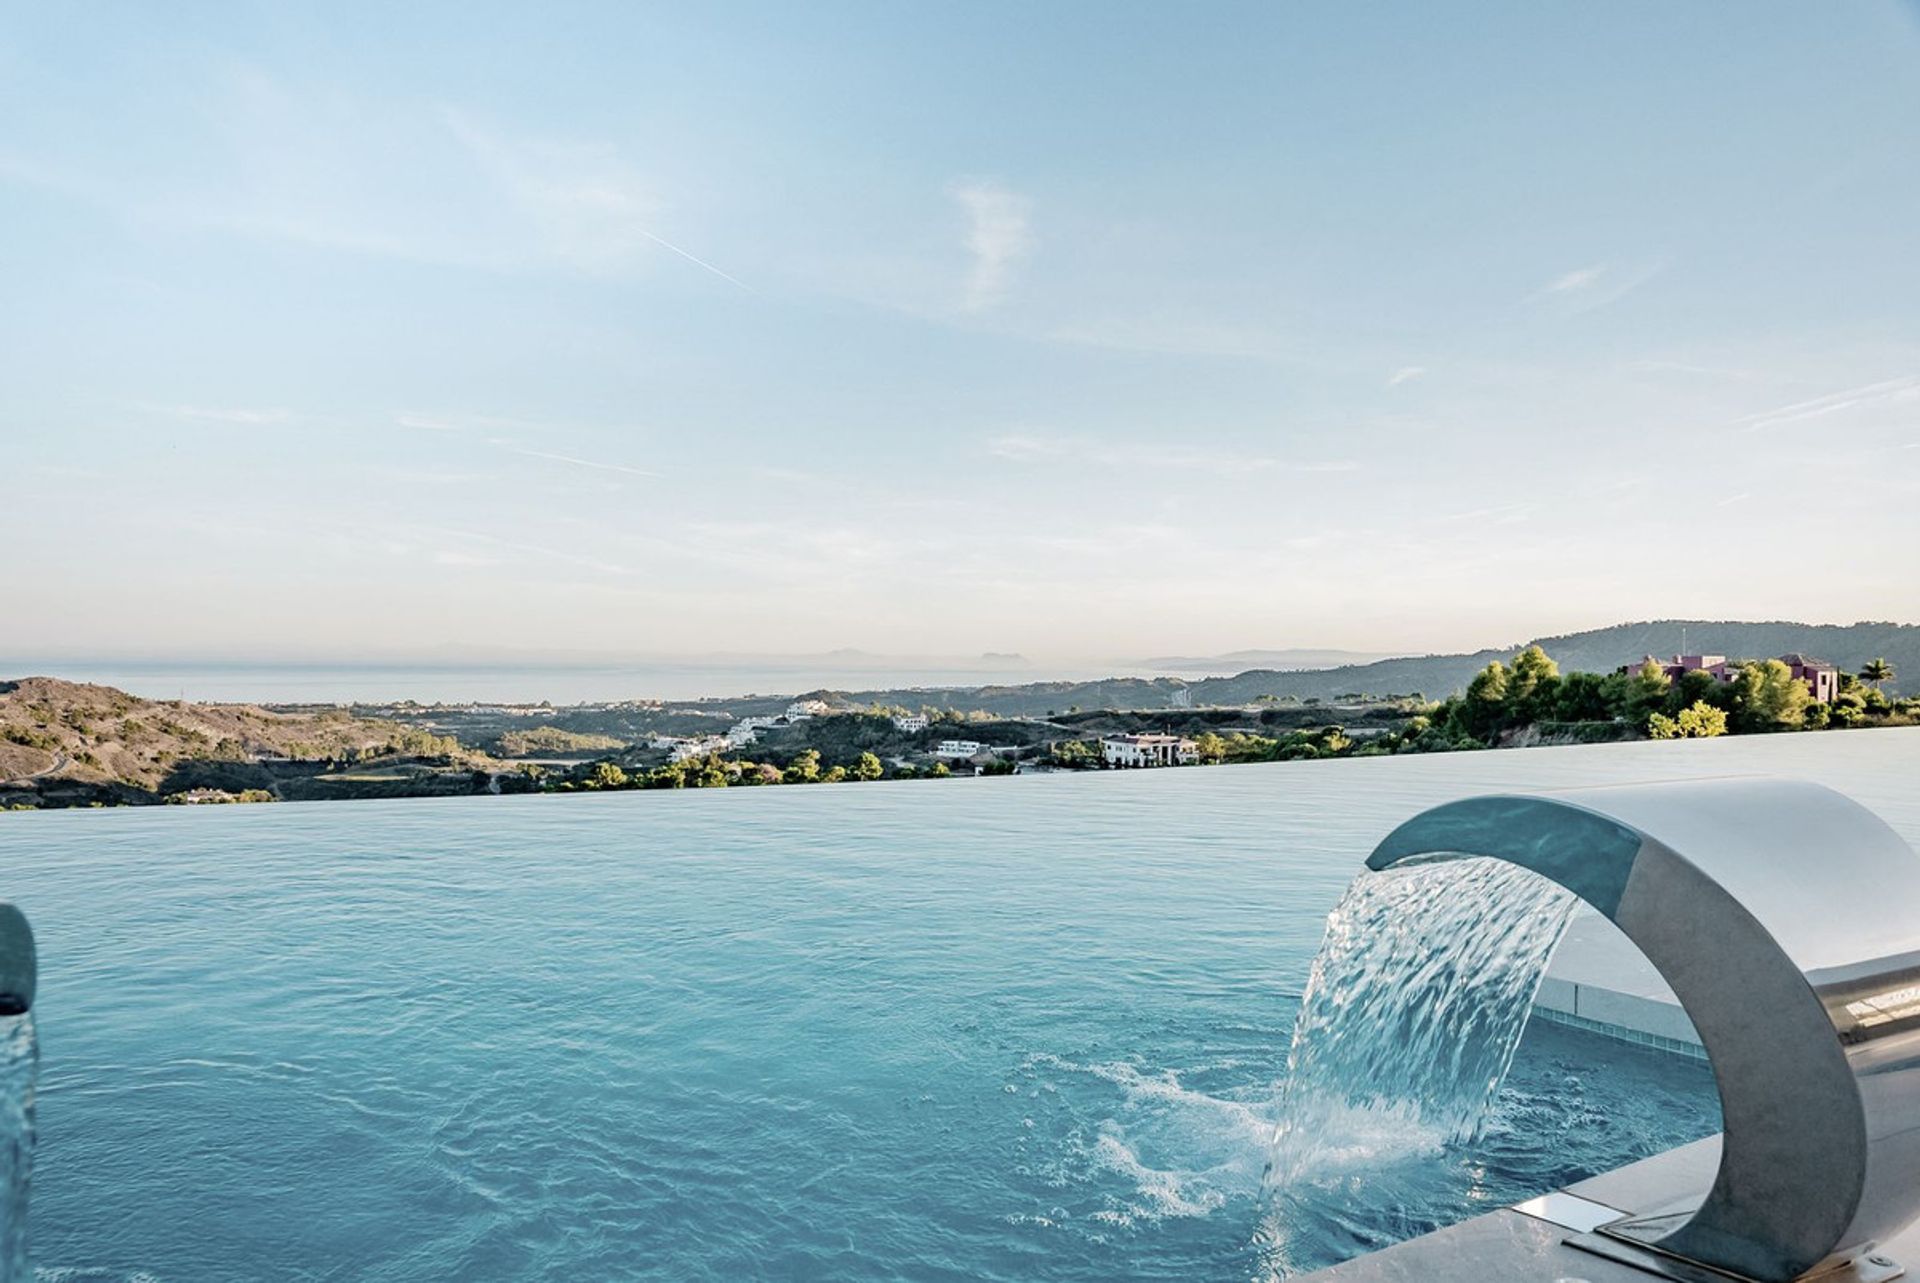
(1019,1029)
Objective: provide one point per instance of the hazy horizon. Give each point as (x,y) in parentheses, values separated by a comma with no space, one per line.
(1071,331)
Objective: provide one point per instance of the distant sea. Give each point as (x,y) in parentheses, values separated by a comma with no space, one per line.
(510,683)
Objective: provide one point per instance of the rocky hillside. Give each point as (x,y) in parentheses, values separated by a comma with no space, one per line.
(66,743)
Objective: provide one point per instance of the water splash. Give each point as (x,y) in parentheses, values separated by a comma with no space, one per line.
(19,1068)
(1412,1012)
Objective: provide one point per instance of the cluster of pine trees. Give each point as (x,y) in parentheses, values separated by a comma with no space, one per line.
(1763,696)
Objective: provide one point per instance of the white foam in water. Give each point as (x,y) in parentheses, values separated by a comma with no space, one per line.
(1414,1007)
(1412,1013)
(19,1062)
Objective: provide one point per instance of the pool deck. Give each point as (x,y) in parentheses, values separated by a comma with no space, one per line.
(1598,981)
(1529,1241)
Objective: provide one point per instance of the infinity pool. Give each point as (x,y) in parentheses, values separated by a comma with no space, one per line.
(1019,1029)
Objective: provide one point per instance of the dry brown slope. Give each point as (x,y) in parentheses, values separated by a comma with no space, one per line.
(98,735)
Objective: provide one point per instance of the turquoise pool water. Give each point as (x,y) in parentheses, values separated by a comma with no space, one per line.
(1020,1029)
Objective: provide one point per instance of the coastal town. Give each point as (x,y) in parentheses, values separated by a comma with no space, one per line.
(68,744)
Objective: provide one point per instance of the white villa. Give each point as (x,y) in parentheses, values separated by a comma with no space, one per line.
(747,730)
(958,749)
(1148,750)
(801,709)
(910,722)
(700,746)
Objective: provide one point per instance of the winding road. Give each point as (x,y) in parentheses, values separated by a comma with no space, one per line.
(59,760)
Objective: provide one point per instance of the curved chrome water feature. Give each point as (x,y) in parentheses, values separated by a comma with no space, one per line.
(19,976)
(1786,919)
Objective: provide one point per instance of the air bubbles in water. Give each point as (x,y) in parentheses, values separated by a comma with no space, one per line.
(19,1063)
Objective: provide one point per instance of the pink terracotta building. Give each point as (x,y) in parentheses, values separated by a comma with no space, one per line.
(1822,678)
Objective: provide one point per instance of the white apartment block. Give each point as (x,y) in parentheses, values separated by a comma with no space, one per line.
(910,722)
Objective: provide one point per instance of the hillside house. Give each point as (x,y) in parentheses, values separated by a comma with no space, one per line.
(1822,679)
(1148,750)
(910,722)
(698,746)
(747,730)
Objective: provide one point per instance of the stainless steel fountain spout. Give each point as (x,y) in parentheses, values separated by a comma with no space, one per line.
(19,970)
(1786,918)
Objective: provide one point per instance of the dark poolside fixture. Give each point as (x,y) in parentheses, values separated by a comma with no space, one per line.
(19,970)
(1786,919)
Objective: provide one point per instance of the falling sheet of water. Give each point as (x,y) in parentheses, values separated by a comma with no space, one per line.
(19,1062)
(1412,1012)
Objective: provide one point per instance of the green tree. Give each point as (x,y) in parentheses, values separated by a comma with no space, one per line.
(1532,684)
(803,769)
(868,767)
(939,771)
(1877,671)
(1646,690)
(1584,697)
(1768,697)
(1699,720)
(1242,747)
(834,775)
(1695,686)
(1483,712)
(1075,755)
(606,775)
(1210,747)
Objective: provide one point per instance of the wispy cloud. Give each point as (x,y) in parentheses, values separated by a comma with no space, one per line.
(1406,374)
(459,557)
(1598,284)
(1507,514)
(237,415)
(427,422)
(1580,278)
(469,538)
(589,205)
(493,429)
(1688,367)
(1180,332)
(573,460)
(1152,457)
(998,237)
(395,179)
(1017,447)
(1902,390)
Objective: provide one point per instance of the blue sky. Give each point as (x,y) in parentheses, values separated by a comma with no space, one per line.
(1103,329)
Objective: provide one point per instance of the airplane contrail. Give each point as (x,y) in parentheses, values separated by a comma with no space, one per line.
(695,259)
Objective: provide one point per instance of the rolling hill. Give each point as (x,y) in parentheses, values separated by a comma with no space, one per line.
(1596,650)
